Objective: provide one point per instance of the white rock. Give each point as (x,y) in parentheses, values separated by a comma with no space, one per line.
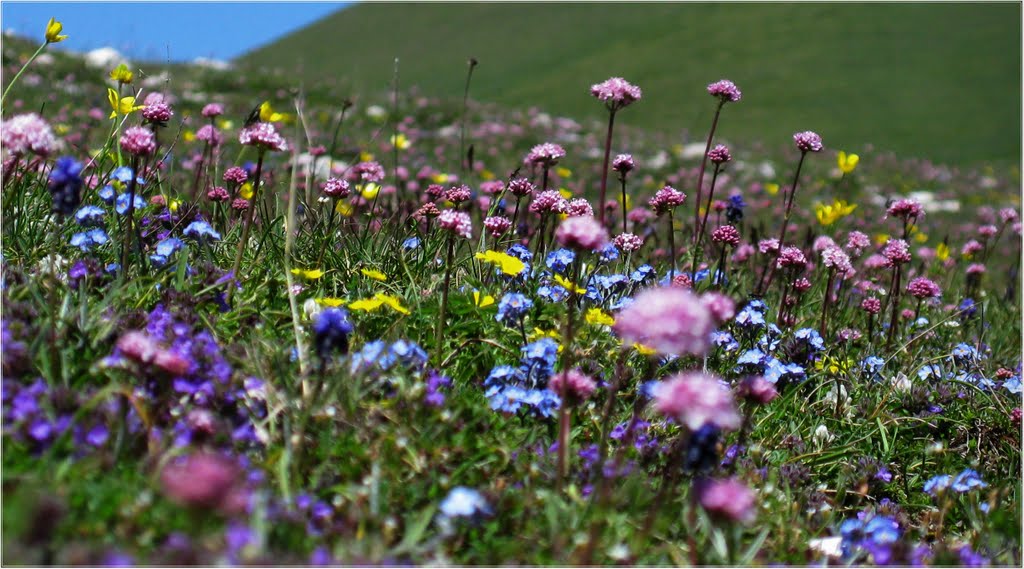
(104,57)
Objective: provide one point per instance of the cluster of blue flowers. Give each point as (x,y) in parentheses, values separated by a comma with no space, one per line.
(961,483)
(510,389)
(760,358)
(876,536)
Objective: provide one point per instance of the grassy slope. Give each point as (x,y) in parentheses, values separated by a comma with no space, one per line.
(938,81)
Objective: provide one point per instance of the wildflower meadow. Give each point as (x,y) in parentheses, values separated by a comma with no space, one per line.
(249,321)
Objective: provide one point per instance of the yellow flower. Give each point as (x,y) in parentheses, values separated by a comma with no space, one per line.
(507,263)
(563,172)
(439,178)
(330,301)
(644,350)
(600,317)
(486,174)
(920,237)
(378,300)
(565,193)
(122,106)
(267,113)
(881,238)
(246,190)
(53,30)
(173,205)
(567,285)
(834,366)
(374,274)
(847,162)
(539,333)
(400,141)
(482,301)
(942,252)
(311,274)
(772,189)
(62,129)
(829,214)
(365,157)
(343,208)
(188,135)
(370,191)
(225,124)
(122,74)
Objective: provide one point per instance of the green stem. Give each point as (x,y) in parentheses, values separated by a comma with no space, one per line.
(20,71)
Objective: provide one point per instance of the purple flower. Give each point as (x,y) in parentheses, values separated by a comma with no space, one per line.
(617,93)
(671,320)
(696,399)
(26,133)
(623,164)
(728,499)
(139,141)
(263,135)
(458,222)
(808,141)
(725,90)
(583,233)
(547,154)
(719,154)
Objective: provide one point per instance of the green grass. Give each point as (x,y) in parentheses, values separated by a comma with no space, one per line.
(936,81)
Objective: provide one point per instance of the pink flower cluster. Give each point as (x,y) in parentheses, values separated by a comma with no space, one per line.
(497,226)
(138,140)
(209,133)
(458,222)
(719,154)
(628,242)
(857,242)
(578,207)
(696,399)
(583,233)
(369,172)
(923,287)
(547,154)
(616,92)
(458,194)
(896,252)
(520,187)
(236,174)
(791,257)
(670,320)
(335,188)
(623,164)
(837,260)
(666,199)
(725,90)
(27,133)
(572,385)
(808,141)
(905,209)
(159,112)
(729,500)
(727,235)
(263,135)
(213,110)
(549,201)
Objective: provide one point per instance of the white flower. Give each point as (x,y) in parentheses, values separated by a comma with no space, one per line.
(821,436)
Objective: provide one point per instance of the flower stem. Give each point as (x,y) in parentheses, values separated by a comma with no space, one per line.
(20,71)
(604,169)
(622,206)
(444,293)
(703,166)
(672,250)
(247,226)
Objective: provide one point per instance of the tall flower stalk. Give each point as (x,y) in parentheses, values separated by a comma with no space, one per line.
(52,35)
(718,155)
(454,224)
(726,92)
(623,164)
(617,94)
(663,202)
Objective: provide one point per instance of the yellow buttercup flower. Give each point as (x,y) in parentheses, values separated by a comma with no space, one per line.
(847,162)
(173,205)
(486,174)
(343,208)
(482,301)
(920,237)
(188,136)
(644,350)
(246,190)
(310,274)
(507,263)
(225,124)
(374,274)
(330,301)
(565,193)
(563,172)
(881,238)
(122,106)
(378,300)
(829,214)
(942,252)
(122,74)
(61,128)
(400,141)
(834,366)
(267,113)
(567,285)
(370,190)
(772,189)
(599,317)
(439,178)
(53,30)
(539,333)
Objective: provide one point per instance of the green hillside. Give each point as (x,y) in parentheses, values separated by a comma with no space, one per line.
(940,81)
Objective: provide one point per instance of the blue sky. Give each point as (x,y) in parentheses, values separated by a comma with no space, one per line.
(146,30)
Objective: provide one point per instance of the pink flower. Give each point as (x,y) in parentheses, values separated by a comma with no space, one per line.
(671,320)
(138,140)
(26,133)
(725,90)
(729,500)
(616,92)
(213,110)
(856,242)
(768,246)
(218,194)
(202,480)
(791,257)
(696,399)
(727,235)
(971,247)
(263,135)
(520,187)
(572,386)
(458,194)
(208,133)
(236,174)
(547,154)
(987,231)
(497,226)
(458,222)
(1008,214)
(240,204)
(743,252)
(666,199)
(897,252)
(628,242)
(719,154)
(369,172)
(801,285)
(492,187)
(808,141)
(722,307)
(583,233)
(905,209)
(834,258)
(336,188)
(871,305)
(922,287)
(579,207)
(549,201)
(823,242)
(757,389)
(682,280)
(623,164)
(158,113)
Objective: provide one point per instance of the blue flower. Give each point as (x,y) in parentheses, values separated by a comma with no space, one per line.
(609,253)
(937,484)
(462,502)
(512,307)
(965,354)
(593,295)
(612,283)
(507,399)
(553,293)
(410,354)
(538,361)
(368,356)
(810,337)
(164,250)
(201,231)
(65,185)
(123,203)
(776,371)
(967,480)
(124,175)
(86,240)
(929,371)
(882,530)
(411,243)
(503,375)
(982,383)
(519,251)
(724,340)
(750,317)
(1013,385)
(107,194)
(771,338)
(967,308)
(753,357)
(89,216)
(871,365)
(560,259)
(642,274)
